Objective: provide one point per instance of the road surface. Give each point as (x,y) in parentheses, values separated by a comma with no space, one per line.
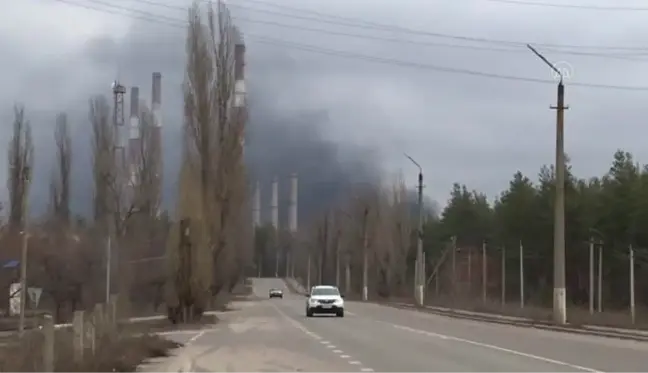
(274,335)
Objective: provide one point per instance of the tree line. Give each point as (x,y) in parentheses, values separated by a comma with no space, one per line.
(610,211)
(184,259)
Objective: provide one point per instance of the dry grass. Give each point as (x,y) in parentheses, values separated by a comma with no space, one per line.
(290,287)
(121,353)
(242,291)
(164,325)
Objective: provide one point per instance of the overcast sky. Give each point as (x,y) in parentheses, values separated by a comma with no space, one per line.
(379,92)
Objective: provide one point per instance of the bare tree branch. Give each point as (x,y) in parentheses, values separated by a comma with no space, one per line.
(103,156)
(60,183)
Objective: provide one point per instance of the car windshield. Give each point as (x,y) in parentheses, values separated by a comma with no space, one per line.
(325,291)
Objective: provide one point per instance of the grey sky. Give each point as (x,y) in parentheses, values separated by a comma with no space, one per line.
(464,128)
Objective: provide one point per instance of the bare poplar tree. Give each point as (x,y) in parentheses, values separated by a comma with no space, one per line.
(20,158)
(375,219)
(103,156)
(401,231)
(214,132)
(146,189)
(60,183)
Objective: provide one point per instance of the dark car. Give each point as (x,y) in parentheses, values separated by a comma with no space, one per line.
(276,293)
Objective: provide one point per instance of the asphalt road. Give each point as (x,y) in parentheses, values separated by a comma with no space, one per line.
(274,335)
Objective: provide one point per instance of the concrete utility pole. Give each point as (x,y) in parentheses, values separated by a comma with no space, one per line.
(503,275)
(484,272)
(632,286)
(591,276)
(256,206)
(308,272)
(420,265)
(454,263)
(470,271)
(600,279)
(274,209)
(292,219)
(521,275)
(560,296)
(23,249)
(365,261)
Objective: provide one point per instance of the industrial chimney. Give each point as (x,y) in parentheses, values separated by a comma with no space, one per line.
(292,208)
(156,133)
(134,141)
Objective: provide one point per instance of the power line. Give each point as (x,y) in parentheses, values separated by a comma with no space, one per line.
(357,22)
(150,17)
(619,56)
(351,55)
(627,57)
(364,24)
(570,6)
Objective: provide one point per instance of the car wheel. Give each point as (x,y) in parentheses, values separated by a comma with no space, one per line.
(309,313)
(340,313)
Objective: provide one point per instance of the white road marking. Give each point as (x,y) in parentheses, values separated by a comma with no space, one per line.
(493,347)
(350,313)
(175,332)
(192,339)
(326,343)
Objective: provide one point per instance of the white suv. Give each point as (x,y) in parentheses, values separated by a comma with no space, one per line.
(324,299)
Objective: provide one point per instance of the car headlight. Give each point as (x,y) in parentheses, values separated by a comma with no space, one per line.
(339,302)
(312,301)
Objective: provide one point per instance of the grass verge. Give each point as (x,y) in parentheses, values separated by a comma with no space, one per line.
(122,352)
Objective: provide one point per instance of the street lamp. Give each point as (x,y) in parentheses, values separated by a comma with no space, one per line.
(420,266)
(559,296)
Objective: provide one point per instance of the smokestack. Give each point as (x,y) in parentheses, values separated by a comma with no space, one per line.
(156,136)
(292,208)
(256,208)
(134,135)
(157,98)
(239,69)
(134,113)
(274,203)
